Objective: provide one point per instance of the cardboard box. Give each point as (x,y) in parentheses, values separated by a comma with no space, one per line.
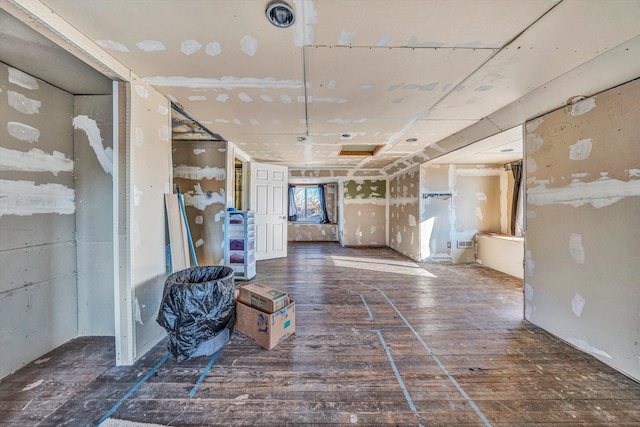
(267,329)
(263,297)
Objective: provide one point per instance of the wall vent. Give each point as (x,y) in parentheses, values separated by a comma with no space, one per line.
(465,244)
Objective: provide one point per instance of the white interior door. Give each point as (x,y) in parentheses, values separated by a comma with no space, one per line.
(269,201)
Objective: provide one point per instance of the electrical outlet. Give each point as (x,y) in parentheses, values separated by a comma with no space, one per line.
(449,245)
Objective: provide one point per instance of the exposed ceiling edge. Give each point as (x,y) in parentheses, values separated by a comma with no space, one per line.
(51,25)
(214,136)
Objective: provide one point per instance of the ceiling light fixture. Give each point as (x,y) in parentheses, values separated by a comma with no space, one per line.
(280,14)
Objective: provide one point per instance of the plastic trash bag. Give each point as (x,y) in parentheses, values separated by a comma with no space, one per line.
(198,310)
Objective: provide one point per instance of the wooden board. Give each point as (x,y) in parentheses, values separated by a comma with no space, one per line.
(178,241)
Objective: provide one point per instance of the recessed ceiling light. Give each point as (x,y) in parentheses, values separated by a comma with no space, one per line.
(412,139)
(301,138)
(280,14)
(506,150)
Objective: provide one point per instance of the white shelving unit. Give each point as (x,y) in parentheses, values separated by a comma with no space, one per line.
(240,243)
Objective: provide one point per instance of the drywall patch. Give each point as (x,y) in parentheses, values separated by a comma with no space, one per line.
(150,45)
(142,91)
(223,97)
(383,39)
(137,312)
(137,196)
(532,166)
(583,107)
(534,124)
(199,219)
(199,200)
(34,160)
(213,49)
(23,104)
(412,221)
(633,173)
(585,346)
(529,263)
(164,133)
(199,243)
(23,132)
(198,173)
(22,79)
(189,47)
(266,98)
(90,127)
(345,37)
(139,137)
(577,304)
(244,97)
(113,45)
(249,45)
(197,98)
(533,142)
(575,248)
(163,110)
(580,150)
(26,198)
(366,189)
(198,151)
(479,213)
(481,197)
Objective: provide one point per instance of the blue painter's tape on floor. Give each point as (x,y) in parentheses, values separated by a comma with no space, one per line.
(133,389)
(204,374)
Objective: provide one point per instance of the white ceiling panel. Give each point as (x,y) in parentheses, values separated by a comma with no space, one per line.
(424,23)
(446,72)
(558,43)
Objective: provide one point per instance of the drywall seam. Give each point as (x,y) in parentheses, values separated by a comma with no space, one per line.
(34,160)
(226,82)
(600,193)
(90,127)
(23,132)
(26,198)
(198,173)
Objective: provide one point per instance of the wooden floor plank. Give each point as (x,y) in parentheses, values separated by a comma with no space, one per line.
(367,321)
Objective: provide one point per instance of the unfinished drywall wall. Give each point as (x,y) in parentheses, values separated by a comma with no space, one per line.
(479,205)
(38,297)
(582,238)
(364,209)
(404,213)
(93,154)
(149,178)
(468,199)
(199,168)
(435,204)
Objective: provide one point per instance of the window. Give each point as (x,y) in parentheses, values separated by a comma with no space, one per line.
(307,201)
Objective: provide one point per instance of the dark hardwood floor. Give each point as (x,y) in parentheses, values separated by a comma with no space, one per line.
(380,340)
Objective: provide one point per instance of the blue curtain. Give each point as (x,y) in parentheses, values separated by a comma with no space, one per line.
(323,205)
(293,211)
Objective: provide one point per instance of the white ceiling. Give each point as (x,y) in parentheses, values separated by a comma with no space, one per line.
(447,73)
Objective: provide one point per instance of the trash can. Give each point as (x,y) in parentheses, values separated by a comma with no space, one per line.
(198,310)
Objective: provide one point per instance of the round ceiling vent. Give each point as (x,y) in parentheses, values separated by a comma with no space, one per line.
(280,14)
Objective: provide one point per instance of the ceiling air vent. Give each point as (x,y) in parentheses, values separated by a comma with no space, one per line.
(359,150)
